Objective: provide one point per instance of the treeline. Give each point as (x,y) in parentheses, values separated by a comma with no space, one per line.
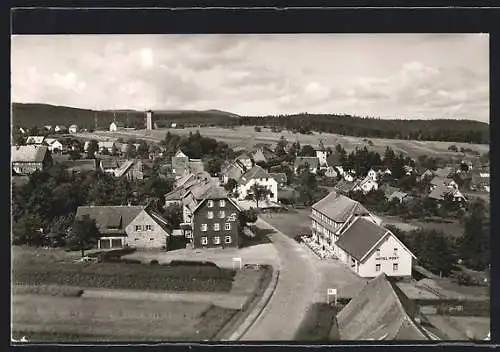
(50,199)
(37,115)
(466,131)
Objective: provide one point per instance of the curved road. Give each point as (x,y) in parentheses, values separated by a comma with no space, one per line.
(294,293)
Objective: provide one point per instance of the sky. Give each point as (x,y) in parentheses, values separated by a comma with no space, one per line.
(404,76)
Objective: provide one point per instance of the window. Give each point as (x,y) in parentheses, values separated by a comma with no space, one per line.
(216,226)
(395,267)
(222,203)
(227,239)
(138,228)
(377,267)
(149,228)
(378,252)
(227,226)
(395,251)
(204,240)
(210,203)
(217,240)
(210,215)
(151,239)
(222,214)
(203,227)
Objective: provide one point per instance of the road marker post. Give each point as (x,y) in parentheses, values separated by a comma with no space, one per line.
(331,292)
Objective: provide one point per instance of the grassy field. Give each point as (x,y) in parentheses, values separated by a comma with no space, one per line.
(59,318)
(245,136)
(291,223)
(451,228)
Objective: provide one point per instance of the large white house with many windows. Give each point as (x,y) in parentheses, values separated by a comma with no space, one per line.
(349,231)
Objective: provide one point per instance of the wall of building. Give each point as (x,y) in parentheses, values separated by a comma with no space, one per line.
(270,183)
(155,237)
(230,217)
(26,168)
(386,260)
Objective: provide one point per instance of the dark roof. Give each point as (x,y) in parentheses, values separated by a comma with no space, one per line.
(179,164)
(389,190)
(333,159)
(339,207)
(280,177)
(360,237)
(234,170)
(440,191)
(109,164)
(106,217)
(28,153)
(254,173)
(258,155)
(312,161)
(376,313)
(196,166)
(344,186)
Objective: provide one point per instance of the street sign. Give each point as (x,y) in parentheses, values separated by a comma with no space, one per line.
(237,261)
(331,292)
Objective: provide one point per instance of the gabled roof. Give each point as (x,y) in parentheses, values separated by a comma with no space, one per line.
(339,207)
(254,173)
(124,167)
(312,161)
(344,186)
(443,171)
(436,181)
(35,139)
(389,190)
(215,193)
(180,154)
(441,191)
(376,313)
(159,220)
(106,144)
(110,217)
(234,170)
(360,237)
(28,153)
(280,177)
(196,166)
(258,155)
(399,195)
(333,159)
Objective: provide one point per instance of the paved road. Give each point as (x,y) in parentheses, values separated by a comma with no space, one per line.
(296,290)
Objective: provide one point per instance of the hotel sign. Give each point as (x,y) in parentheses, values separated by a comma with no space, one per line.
(387,258)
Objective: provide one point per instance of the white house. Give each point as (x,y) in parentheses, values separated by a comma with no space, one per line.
(73,129)
(348,177)
(60,128)
(372,174)
(116,126)
(54,145)
(345,228)
(366,185)
(331,172)
(306,161)
(322,155)
(110,147)
(35,140)
(257,175)
(370,249)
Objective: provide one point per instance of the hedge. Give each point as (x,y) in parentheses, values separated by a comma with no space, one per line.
(120,276)
(319,324)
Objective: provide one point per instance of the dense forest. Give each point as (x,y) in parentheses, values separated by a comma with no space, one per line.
(468,131)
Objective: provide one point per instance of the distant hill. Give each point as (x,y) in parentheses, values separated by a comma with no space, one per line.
(468,131)
(29,115)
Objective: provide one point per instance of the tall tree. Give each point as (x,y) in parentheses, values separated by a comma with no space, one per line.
(173,215)
(281,146)
(92,149)
(474,246)
(258,192)
(307,150)
(83,234)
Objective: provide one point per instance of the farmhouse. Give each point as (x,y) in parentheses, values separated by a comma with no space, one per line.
(133,226)
(245,160)
(27,159)
(109,165)
(366,185)
(331,172)
(55,146)
(309,162)
(130,169)
(107,147)
(35,140)
(257,175)
(378,313)
(215,220)
(116,126)
(439,193)
(73,129)
(442,181)
(258,156)
(280,177)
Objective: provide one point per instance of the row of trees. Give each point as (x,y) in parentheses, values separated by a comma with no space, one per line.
(466,131)
(50,199)
(440,254)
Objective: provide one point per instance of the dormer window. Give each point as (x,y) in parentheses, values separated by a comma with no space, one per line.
(210,203)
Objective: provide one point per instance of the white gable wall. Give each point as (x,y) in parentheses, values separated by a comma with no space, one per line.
(270,183)
(154,238)
(386,260)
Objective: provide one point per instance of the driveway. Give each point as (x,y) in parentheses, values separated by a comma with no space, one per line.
(294,293)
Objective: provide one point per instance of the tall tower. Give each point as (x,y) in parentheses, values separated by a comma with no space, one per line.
(149,120)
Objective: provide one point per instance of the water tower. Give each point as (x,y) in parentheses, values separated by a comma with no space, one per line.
(149,120)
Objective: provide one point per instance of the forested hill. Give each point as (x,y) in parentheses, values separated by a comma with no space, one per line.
(437,130)
(30,115)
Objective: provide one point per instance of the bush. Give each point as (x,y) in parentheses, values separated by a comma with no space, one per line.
(154,262)
(257,129)
(319,324)
(192,263)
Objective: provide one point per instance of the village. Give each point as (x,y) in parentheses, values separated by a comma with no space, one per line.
(385,240)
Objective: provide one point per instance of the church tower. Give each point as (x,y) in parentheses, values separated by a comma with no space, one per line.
(149,120)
